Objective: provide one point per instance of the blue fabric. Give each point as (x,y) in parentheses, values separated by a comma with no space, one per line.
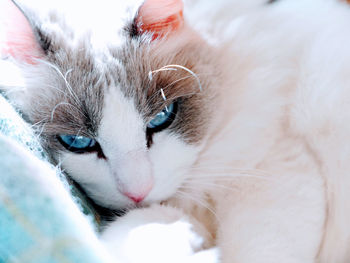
(39,220)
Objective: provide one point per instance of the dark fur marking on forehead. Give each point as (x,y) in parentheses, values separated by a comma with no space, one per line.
(74,107)
(44,42)
(131,29)
(61,112)
(139,59)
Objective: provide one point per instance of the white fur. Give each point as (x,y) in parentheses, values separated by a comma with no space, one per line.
(289,132)
(283,139)
(272,176)
(158,233)
(130,166)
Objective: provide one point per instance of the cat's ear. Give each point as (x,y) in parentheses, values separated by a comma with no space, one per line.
(18,39)
(160,17)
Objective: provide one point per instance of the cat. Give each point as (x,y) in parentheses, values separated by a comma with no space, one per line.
(230,132)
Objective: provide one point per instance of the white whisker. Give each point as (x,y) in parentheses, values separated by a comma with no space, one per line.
(225,169)
(68,71)
(231,176)
(57,105)
(175,68)
(38,134)
(63,76)
(210,185)
(38,123)
(150,74)
(164,98)
(185,195)
(170,85)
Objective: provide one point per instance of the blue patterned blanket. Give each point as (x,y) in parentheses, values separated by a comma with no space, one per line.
(40,220)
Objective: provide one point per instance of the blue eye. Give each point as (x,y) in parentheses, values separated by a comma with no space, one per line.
(163,119)
(78,144)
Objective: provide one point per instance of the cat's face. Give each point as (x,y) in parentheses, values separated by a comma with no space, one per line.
(119,120)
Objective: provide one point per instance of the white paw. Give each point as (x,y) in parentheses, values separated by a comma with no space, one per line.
(205,256)
(161,242)
(157,234)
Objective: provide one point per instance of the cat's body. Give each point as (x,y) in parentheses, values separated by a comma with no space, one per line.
(259,157)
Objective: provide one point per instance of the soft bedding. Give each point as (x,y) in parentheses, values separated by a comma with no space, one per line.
(40,220)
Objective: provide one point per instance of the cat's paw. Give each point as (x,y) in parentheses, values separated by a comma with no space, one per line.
(161,242)
(206,256)
(156,234)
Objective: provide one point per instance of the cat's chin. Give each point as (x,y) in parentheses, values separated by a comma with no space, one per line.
(128,205)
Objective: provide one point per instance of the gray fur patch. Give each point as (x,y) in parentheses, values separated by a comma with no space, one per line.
(140,57)
(71,99)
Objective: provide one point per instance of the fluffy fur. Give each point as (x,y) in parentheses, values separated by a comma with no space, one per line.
(257,161)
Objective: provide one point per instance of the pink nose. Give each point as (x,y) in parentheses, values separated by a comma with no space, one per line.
(138,193)
(136,198)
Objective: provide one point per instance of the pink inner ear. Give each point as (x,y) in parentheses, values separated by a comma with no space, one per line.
(160,17)
(19,42)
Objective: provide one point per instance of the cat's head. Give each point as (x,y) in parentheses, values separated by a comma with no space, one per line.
(126,120)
